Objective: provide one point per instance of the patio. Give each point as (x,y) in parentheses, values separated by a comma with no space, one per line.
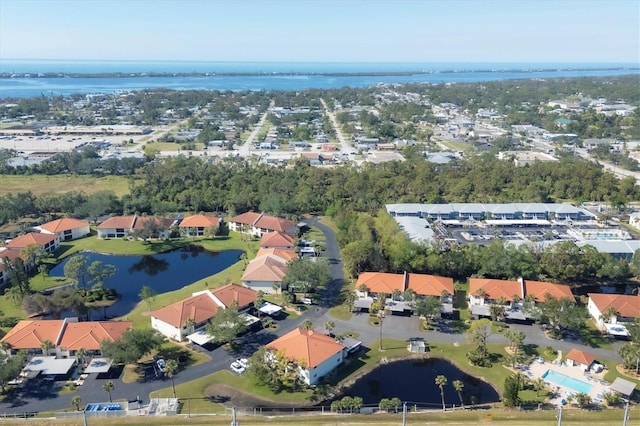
(598,386)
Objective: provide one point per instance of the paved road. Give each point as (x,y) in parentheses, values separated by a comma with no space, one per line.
(344,146)
(42,398)
(245,149)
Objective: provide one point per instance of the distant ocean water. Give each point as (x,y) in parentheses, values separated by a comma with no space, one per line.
(272,75)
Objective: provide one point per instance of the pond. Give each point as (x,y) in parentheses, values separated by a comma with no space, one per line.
(163,272)
(413,381)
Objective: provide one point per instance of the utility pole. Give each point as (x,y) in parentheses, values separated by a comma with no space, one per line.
(234,421)
(626,413)
(404,414)
(559,416)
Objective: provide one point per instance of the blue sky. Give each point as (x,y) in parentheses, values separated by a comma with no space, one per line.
(594,31)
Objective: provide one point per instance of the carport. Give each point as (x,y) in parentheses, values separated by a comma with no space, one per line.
(98,365)
(50,366)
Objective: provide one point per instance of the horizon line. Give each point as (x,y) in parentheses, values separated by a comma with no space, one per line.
(320,61)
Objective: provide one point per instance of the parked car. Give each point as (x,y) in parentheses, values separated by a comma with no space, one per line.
(237,368)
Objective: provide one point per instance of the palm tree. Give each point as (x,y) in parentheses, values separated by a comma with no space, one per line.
(609,314)
(81,354)
(46,346)
(350,299)
(14,295)
(441,381)
(480,293)
(329,326)
(76,400)
(108,388)
(170,369)
(395,294)
(458,386)
(538,385)
(307,324)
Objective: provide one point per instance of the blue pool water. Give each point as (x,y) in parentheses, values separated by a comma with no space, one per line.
(567,382)
(103,407)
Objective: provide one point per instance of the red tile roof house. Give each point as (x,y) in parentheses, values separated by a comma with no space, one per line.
(124,226)
(622,307)
(258,224)
(67,335)
(180,319)
(387,283)
(316,354)
(265,273)
(484,292)
(278,240)
(197,225)
(49,242)
(66,229)
(581,359)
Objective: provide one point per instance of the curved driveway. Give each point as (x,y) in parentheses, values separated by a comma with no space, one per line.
(393,327)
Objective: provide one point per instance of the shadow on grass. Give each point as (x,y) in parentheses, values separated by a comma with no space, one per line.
(593,338)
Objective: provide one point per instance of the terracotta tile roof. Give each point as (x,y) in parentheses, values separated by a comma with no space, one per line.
(539,289)
(199,221)
(430,285)
(381,282)
(277,239)
(30,334)
(197,308)
(132,222)
(12,255)
(30,238)
(266,268)
(248,218)
(89,335)
(626,305)
(274,223)
(285,254)
(65,224)
(581,357)
(495,289)
(233,292)
(118,222)
(307,346)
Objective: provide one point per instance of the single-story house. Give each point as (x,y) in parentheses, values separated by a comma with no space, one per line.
(285,254)
(183,318)
(484,292)
(124,226)
(278,240)
(197,225)
(265,273)
(49,242)
(611,311)
(258,224)
(66,336)
(581,359)
(66,229)
(315,353)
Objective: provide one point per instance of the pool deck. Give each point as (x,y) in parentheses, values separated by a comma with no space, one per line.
(599,386)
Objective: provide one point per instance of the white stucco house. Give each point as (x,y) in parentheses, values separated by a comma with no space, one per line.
(611,311)
(66,229)
(315,353)
(265,273)
(180,319)
(258,224)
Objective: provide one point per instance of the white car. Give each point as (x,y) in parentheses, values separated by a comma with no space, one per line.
(237,368)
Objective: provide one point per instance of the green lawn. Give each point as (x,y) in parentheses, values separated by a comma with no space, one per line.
(196,389)
(124,247)
(42,184)
(432,418)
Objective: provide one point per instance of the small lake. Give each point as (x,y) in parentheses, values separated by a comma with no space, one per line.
(413,381)
(163,272)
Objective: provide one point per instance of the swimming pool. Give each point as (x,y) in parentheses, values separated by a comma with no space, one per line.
(103,407)
(567,382)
